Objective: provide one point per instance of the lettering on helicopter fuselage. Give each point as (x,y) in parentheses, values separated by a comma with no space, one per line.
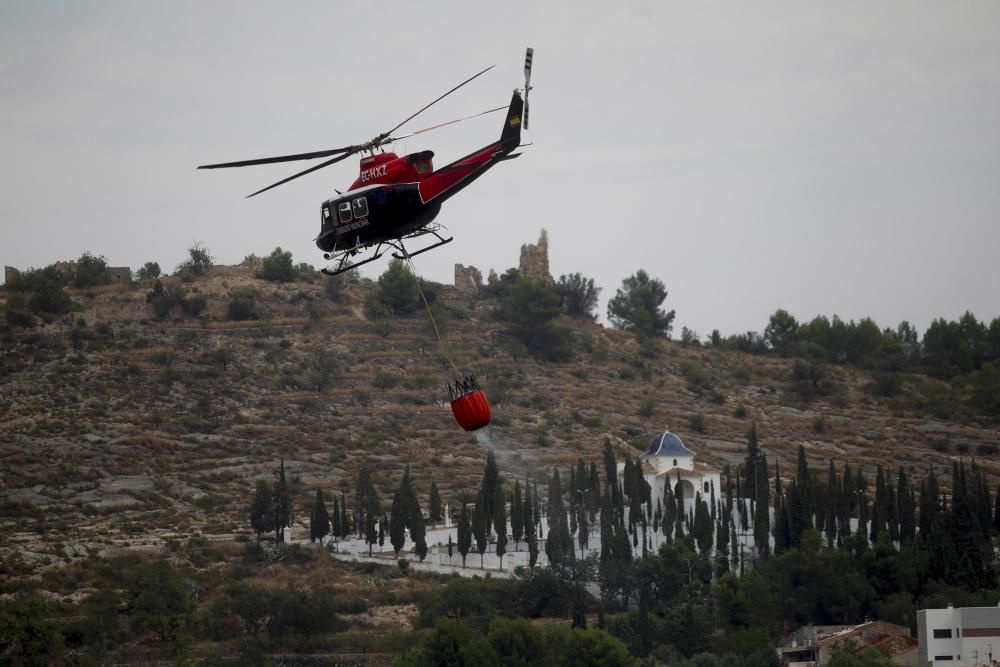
(374,172)
(352,226)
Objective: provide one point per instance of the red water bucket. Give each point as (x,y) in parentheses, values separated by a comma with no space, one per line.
(472,411)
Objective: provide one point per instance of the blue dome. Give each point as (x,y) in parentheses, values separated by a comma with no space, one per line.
(668,444)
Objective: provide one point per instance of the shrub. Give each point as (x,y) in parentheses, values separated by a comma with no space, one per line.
(740,412)
(198,263)
(278,267)
(697,423)
(149,271)
(90,271)
(243,305)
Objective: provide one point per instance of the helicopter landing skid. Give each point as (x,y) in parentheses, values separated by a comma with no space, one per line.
(342,257)
(430,229)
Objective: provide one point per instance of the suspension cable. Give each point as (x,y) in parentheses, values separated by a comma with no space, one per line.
(430,315)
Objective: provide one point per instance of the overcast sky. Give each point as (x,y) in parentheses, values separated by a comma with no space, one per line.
(824,158)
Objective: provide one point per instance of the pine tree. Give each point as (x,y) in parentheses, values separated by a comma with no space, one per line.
(464,533)
(282,506)
(262,509)
(517,515)
(434,504)
(319,520)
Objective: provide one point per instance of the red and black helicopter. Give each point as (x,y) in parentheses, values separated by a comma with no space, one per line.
(397,198)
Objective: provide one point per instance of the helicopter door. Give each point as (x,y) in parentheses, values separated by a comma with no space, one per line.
(344,210)
(361,207)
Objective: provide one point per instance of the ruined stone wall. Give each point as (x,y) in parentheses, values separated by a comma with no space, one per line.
(120,274)
(468,278)
(10,273)
(535,259)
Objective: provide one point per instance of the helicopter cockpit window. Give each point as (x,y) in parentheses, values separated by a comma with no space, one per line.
(361,207)
(345,211)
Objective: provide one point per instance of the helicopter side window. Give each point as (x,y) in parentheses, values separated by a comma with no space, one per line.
(345,211)
(422,167)
(361,207)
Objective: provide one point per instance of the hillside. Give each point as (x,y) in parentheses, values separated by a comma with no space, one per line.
(118,430)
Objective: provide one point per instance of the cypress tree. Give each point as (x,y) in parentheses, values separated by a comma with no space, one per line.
(559,545)
(381,531)
(262,509)
(319,523)
(752,459)
(517,515)
(345,525)
(703,529)
(762,521)
(804,482)
(488,489)
(282,506)
(832,505)
(479,526)
(594,495)
(996,512)
(880,508)
(335,519)
(397,516)
(434,504)
(583,533)
(500,525)
(464,533)
(893,517)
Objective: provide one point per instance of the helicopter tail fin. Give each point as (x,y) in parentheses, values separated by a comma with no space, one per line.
(510,137)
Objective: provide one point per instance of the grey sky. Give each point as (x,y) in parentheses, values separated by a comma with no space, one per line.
(836,158)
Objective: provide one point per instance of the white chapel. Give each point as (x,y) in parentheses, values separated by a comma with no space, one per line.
(668,461)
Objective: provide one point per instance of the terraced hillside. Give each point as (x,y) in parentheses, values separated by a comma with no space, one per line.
(118,430)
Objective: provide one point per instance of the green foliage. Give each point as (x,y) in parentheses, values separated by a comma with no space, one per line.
(160,600)
(149,271)
(45,286)
(278,267)
(164,300)
(636,307)
(530,307)
(396,293)
(16,312)
(198,263)
(578,296)
(27,632)
(243,305)
(91,270)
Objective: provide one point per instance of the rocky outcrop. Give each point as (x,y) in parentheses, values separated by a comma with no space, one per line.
(468,278)
(535,259)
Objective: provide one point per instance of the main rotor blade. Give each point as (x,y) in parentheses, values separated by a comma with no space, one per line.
(303,173)
(450,122)
(280,158)
(439,99)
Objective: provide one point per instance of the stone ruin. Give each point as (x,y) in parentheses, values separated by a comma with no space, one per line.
(534,264)
(10,274)
(535,259)
(468,279)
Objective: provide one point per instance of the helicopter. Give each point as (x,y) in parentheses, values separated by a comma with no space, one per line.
(397,198)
